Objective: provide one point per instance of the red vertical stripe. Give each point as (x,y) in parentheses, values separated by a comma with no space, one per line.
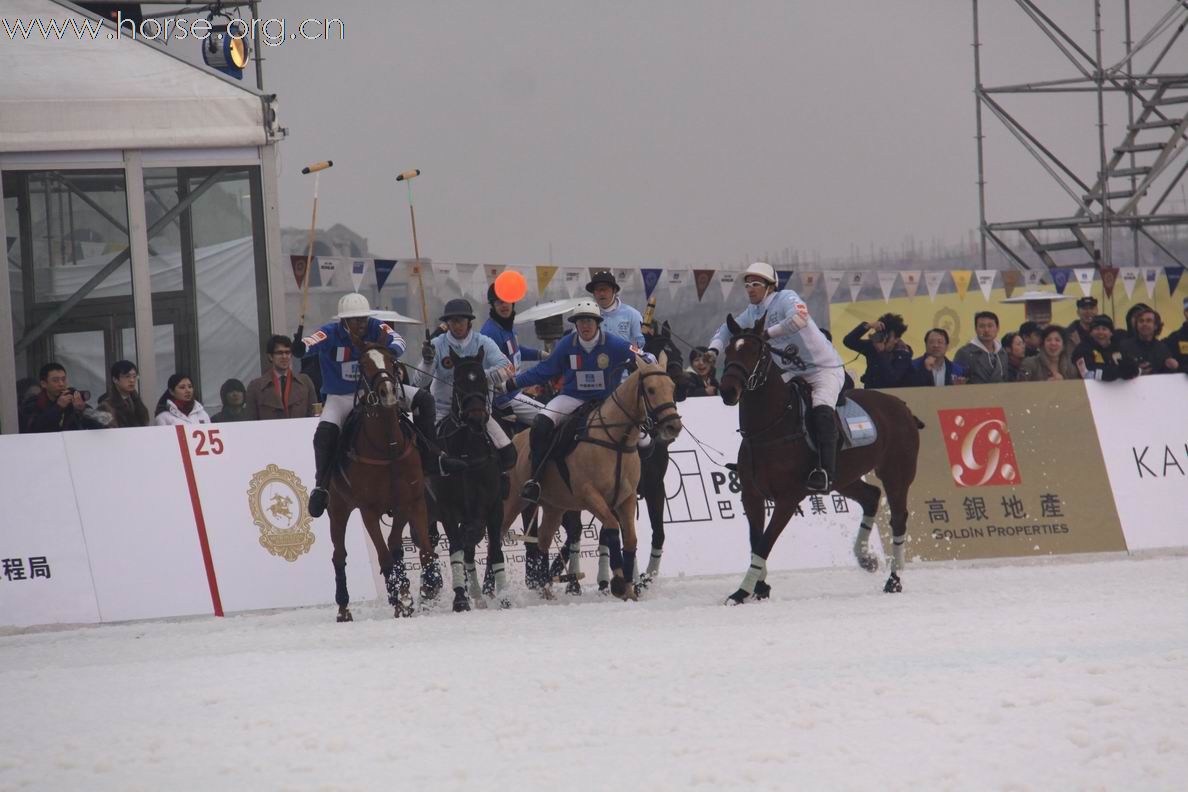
(199,521)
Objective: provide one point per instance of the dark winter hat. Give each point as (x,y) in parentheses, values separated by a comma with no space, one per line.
(457,307)
(1101,320)
(1087,302)
(491,296)
(602,277)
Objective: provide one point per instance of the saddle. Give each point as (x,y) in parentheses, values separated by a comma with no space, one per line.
(568,436)
(857,427)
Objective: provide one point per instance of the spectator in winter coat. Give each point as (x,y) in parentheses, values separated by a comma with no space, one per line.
(58,407)
(984,359)
(1033,338)
(1100,358)
(933,368)
(233,396)
(177,404)
(1054,361)
(281,392)
(1086,310)
(1151,354)
(1016,350)
(700,379)
(122,401)
(888,358)
(1177,342)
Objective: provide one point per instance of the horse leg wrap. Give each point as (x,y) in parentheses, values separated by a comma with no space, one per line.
(392,583)
(629,569)
(400,572)
(500,577)
(654,562)
(604,567)
(457,574)
(862,539)
(575,557)
(897,553)
(474,584)
(341,597)
(536,567)
(756,572)
(430,578)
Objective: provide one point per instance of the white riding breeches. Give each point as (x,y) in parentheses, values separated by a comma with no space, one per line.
(525,408)
(496,433)
(560,407)
(337,407)
(827,384)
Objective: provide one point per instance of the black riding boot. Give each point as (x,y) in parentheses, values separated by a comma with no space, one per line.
(325,442)
(507,461)
(539,439)
(434,462)
(825,430)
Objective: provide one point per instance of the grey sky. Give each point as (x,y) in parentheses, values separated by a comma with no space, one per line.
(642,133)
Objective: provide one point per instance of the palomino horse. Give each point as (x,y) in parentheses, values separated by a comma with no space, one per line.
(470,504)
(381,473)
(774,457)
(604,466)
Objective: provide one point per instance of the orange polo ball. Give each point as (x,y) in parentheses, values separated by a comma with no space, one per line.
(510,286)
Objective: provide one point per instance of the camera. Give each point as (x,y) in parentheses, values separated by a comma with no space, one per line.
(86,394)
(880,336)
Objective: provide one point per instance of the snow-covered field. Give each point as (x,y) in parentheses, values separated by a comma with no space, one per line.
(1070,675)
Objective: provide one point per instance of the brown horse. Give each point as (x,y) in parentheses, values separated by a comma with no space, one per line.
(774,457)
(380,473)
(605,468)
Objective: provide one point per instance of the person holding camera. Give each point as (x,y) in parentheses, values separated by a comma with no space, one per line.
(888,358)
(59,407)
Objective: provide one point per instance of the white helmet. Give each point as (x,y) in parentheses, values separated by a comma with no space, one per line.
(762,270)
(585,308)
(353,305)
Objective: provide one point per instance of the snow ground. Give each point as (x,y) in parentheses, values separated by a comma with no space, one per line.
(1044,676)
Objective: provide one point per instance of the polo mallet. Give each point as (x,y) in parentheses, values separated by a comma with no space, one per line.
(315,169)
(407,177)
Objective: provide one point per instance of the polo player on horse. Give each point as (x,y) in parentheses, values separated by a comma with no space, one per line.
(799,349)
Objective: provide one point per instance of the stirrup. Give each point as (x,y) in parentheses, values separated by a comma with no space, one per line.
(531,491)
(818,481)
(318,498)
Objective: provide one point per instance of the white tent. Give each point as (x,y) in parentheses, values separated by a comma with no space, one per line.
(78,89)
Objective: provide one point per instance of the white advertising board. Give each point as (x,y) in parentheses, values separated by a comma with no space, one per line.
(44,574)
(1142,426)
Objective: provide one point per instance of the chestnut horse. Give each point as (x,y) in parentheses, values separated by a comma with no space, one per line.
(380,472)
(774,457)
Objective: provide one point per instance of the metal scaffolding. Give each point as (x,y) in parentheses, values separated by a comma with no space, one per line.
(1128,194)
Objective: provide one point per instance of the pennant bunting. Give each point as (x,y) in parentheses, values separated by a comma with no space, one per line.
(887,280)
(298,264)
(727,279)
(574,279)
(911,282)
(1173,278)
(985,280)
(328,267)
(854,280)
(443,275)
(1010,280)
(808,283)
(702,278)
(1129,277)
(1085,279)
(651,276)
(782,277)
(383,268)
(1060,277)
(932,280)
(1150,277)
(544,276)
(493,271)
(833,280)
(625,278)
(675,279)
(1109,279)
(961,279)
(1033,278)
(358,270)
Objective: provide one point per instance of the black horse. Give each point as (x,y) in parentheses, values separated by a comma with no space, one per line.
(469,505)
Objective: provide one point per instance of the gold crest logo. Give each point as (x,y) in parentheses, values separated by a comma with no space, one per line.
(277,500)
(603,360)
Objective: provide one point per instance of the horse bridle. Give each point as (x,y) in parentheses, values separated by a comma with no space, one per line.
(651,419)
(756,378)
(458,401)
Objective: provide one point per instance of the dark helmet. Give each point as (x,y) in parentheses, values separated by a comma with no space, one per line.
(603,277)
(457,307)
(491,296)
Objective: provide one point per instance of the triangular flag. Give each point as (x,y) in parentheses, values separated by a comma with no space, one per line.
(358,270)
(985,282)
(651,276)
(674,279)
(1129,277)
(702,278)
(911,282)
(493,271)
(573,278)
(383,268)
(1173,278)
(298,264)
(782,279)
(854,279)
(625,278)
(442,275)
(1010,279)
(833,279)
(1085,279)
(1109,279)
(1060,277)
(961,279)
(808,283)
(328,266)
(544,276)
(887,280)
(1150,277)
(1033,278)
(472,280)
(932,280)
(727,279)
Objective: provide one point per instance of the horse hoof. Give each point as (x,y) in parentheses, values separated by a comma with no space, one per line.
(644,581)
(894,586)
(403,609)
(762,590)
(604,587)
(430,592)
(557,567)
(461,605)
(869,563)
(618,587)
(737,598)
(573,588)
(505,603)
(546,593)
(344,615)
